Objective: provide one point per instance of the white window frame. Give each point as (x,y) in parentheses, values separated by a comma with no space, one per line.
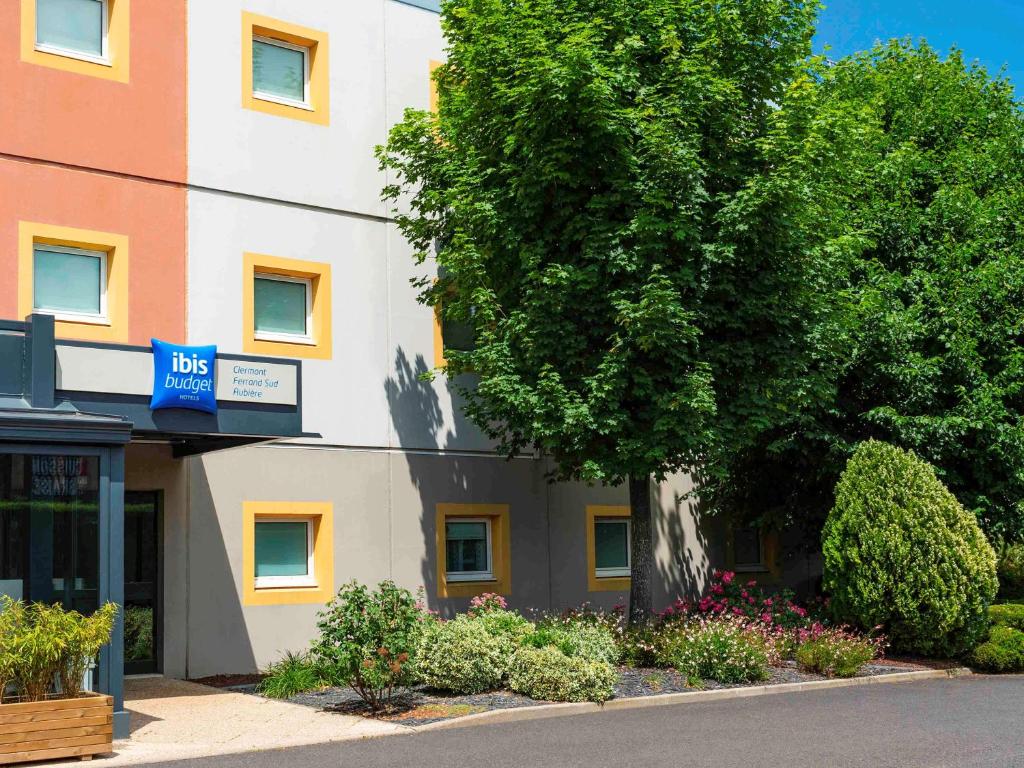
(486,575)
(614,573)
(293,338)
(103,58)
(263,96)
(276,582)
(63,314)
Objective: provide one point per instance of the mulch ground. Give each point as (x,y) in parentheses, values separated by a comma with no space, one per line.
(420,706)
(228,681)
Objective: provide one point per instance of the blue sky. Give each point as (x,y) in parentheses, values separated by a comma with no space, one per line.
(991,31)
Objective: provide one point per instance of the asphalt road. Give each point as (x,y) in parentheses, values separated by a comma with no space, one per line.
(974,721)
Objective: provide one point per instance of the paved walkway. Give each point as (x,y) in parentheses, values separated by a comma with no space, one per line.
(970,722)
(175,720)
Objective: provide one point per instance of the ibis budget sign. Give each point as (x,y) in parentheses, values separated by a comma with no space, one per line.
(183,377)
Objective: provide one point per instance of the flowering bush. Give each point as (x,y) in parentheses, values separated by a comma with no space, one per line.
(837,651)
(728,649)
(547,674)
(463,655)
(727,596)
(487,603)
(368,640)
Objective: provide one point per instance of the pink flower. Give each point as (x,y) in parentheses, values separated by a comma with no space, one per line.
(727,577)
(766,618)
(752,583)
(717,589)
(768,601)
(738,611)
(751,600)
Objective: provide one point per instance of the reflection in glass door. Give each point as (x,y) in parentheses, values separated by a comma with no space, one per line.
(142,623)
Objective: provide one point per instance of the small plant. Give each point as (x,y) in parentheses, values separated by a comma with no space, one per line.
(138,632)
(727,596)
(900,551)
(488,602)
(644,646)
(547,674)
(725,649)
(1007,615)
(85,635)
(368,640)
(1002,652)
(837,652)
(295,673)
(463,655)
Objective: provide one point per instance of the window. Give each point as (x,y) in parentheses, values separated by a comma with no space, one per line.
(473,549)
(80,276)
(468,550)
(76,28)
(611,547)
(746,548)
(70,283)
(608,543)
(287,552)
(280,72)
(286,307)
(283,308)
(284,69)
(284,553)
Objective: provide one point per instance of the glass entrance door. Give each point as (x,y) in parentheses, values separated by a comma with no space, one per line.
(142,587)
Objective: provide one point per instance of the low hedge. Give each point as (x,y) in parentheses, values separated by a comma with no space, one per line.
(547,674)
(463,656)
(1002,652)
(1007,615)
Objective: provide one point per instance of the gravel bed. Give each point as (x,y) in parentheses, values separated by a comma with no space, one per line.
(420,705)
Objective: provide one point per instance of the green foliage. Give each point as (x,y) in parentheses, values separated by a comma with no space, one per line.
(138,632)
(1010,569)
(717,648)
(547,674)
(1002,652)
(41,645)
(295,673)
(902,553)
(914,168)
(643,646)
(368,640)
(594,181)
(503,623)
(836,653)
(1007,615)
(463,655)
(577,639)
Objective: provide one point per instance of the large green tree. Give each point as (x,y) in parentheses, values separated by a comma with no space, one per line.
(597,191)
(915,167)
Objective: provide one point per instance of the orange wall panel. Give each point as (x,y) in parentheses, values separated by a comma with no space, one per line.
(150,214)
(136,127)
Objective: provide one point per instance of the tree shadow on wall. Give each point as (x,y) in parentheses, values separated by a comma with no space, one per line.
(692,555)
(419,424)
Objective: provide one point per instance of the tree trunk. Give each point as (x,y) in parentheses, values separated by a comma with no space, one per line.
(641,551)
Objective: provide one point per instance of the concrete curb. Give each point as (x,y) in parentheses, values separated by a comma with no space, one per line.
(542,711)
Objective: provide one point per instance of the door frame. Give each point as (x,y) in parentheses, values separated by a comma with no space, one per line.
(157,666)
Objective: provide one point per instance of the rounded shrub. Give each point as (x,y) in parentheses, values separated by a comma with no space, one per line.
(547,674)
(463,656)
(902,553)
(1002,652)
(592,642)
(1010,569)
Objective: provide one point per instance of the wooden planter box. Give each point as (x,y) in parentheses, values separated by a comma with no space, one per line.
(56,728)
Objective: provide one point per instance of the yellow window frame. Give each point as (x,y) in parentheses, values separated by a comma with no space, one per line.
(319,111)
(597,583)
(115,246)
(118,44)
(319,275)
(322,516)
(501,550)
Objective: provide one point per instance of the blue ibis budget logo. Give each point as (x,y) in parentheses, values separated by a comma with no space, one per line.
(183,377)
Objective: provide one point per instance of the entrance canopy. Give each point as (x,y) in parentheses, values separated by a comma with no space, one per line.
(55,390)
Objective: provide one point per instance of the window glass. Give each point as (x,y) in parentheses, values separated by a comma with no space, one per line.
(466,547)
(65,281)
(746,546)
(74,25)
(279,70)
(280,306)
(282,549)
(611,544)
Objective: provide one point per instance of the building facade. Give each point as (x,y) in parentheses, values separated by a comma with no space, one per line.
(203,173)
